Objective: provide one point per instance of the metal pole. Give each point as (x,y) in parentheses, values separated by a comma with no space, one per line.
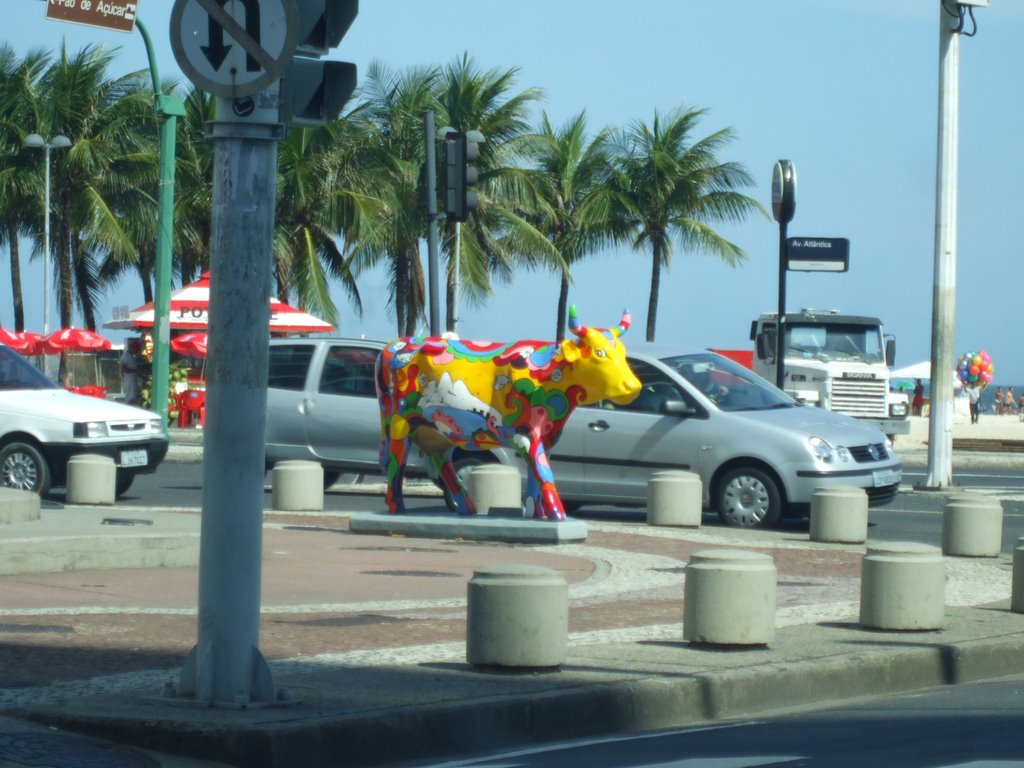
(46,239)
(780,342)
(226,665)
(432,234)
(456,281)
(940,419)
(168,108)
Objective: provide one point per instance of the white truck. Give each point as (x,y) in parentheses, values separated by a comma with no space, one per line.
(835,361)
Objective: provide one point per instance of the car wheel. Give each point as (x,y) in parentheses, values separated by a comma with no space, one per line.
(748,498)
(463,466)
(23,466)
(123,483)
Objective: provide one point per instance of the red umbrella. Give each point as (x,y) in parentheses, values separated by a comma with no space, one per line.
(15,341)
(190,344)
(73,340)
(33,342)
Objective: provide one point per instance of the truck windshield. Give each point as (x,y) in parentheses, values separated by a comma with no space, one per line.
(835,341)
(18,373)
(729,385)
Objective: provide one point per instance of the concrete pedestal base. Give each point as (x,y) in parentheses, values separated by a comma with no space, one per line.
(517,616)
(729,598)
(92,479)
(17,506)
(298,486)
(496,489)
(840,515)
(902,587)
(674,498)
(972,526)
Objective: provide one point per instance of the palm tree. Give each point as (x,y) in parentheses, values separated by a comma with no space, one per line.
(391,119)
(666,188)
(106,179)
(571,173)
(498,234)
(20,174)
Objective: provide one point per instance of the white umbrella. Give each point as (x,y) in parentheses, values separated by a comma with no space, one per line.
(921,370)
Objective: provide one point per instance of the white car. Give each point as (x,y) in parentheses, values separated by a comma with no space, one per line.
(43,425)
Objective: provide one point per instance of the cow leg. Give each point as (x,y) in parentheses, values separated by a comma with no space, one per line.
(442,464)
(540,485)
(394,451)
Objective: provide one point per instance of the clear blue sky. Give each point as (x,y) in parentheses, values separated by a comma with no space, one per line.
(846,89)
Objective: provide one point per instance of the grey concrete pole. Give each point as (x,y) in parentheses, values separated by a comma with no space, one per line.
(940,420)
(226,665)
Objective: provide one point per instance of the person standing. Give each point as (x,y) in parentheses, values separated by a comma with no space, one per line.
(1010,402)
(974,396)
(918,402)
(997,406)
(130,372)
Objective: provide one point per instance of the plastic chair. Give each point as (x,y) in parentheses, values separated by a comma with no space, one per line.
(191,402)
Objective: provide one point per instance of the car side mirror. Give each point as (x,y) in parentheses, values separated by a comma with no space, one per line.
(679,408)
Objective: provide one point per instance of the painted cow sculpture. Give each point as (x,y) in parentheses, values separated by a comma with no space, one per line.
(478,395)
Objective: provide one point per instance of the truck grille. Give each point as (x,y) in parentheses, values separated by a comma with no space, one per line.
(861,398)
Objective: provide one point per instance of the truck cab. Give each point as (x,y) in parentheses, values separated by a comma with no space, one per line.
(834,361)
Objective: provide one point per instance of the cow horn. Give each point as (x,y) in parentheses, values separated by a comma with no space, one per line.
(624,323)
(574,322)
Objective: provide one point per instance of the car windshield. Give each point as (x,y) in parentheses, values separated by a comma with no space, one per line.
(18,373)
(729,385)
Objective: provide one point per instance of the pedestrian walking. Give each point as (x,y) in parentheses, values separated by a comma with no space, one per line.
(974,395)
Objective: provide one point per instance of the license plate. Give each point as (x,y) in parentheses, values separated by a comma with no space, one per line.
(884,477)
(139,458)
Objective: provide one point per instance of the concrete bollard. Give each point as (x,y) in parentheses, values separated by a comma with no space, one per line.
(729,598)
(18,506)
(839,514)
(497,490)
(297,486)
(972,526)
(675,498)
(517,616)
(902,586)
(1017,590)
(92,479)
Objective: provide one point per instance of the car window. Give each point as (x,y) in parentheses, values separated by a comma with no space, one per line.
(289,365)
(655,388)
(349,371)
(18,373)
(730,386)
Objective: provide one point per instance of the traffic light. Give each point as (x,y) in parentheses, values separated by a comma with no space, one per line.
(461,150)
(313,91)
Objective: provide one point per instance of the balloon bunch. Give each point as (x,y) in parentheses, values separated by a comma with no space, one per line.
(975,368)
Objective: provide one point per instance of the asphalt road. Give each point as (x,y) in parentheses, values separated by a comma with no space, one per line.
(958,725)
(913,516)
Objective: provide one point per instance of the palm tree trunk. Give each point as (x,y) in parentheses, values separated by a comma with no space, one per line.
(63,254)
(563,300)
(652,304)
(19,304)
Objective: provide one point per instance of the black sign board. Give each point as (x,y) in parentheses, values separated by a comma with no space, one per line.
(818,254)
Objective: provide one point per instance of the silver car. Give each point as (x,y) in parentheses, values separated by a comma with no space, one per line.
(759,453)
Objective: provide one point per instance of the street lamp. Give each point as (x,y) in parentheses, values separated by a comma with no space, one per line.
(35,141)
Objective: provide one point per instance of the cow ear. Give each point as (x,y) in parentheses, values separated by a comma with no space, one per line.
(570,351)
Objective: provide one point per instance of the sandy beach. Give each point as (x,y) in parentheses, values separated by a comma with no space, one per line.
(989,427)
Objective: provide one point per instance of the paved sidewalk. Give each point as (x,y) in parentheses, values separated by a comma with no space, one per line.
(365,636)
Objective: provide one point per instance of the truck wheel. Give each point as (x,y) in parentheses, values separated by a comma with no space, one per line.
(748,498)
(23,466)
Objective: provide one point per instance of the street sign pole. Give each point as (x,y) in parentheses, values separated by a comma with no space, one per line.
(226,667)
(783,208)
